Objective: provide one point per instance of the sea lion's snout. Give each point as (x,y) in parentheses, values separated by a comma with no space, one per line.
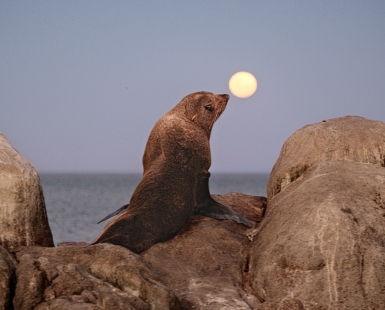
(226,96)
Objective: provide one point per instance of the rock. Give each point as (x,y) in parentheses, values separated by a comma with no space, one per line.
(205,263)
(323,236)
(101,276)
(68,243)
(7,278)
(349,138)
(251,207)
(23,217)
(284,304)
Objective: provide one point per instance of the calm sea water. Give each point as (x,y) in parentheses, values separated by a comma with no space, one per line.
(76,202)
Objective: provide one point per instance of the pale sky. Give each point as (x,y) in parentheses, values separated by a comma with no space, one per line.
(83,82)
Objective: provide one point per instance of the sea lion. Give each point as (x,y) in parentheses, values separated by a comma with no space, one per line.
(175,182)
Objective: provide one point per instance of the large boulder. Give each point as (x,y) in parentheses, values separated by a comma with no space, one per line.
(89,277)
(204,265)
(323,236)
(349,138)
(7,278)
(23,217)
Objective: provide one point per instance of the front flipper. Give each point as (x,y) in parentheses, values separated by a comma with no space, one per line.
(117,212)
(207,206)
(217,211)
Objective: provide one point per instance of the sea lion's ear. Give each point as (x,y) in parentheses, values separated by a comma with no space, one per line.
(185,109)
(194,117)
(190,105)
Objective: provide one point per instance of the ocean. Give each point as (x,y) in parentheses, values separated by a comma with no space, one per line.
(76,202)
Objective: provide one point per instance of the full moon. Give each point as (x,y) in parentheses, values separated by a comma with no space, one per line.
(243,84)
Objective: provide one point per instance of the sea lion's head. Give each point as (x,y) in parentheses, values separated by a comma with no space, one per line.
(204,108)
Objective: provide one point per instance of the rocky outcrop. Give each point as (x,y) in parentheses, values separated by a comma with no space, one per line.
(320,245)
(323,236)
(201,268)
(23,217)
(349,138)
(204,265)
(101,276)
(7,278)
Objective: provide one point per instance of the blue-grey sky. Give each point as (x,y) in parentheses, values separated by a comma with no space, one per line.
(83,82)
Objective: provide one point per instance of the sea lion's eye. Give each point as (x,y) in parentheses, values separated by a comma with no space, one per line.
(209,107)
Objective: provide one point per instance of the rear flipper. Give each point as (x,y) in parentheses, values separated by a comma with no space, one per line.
(117,212)
(220,212)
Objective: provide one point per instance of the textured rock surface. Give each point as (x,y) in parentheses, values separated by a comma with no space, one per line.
(204,264)
(323,236)
(7,278)
(23,217)
(251,207)
(102,276)
(284,304)
(349,138)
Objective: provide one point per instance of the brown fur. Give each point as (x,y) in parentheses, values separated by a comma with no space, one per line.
(175,177)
